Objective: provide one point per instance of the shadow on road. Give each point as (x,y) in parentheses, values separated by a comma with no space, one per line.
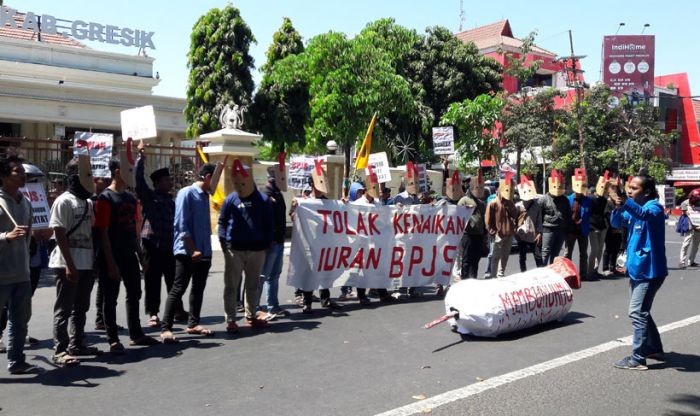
(689,401)
(686,363)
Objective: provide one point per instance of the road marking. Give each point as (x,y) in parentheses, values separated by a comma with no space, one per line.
(474,389)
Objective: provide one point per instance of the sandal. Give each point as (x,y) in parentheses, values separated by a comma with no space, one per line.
(83,351)
(167,337)
(154,322)
(63,359)
(200,330)
(117,348)
(232,328)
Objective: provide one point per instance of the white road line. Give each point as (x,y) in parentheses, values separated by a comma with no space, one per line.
(474,389)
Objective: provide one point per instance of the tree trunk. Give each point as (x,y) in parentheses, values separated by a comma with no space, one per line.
(518,154)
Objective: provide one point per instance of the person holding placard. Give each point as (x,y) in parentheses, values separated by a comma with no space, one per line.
(691,208)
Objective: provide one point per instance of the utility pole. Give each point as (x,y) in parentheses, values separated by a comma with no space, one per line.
(572,81)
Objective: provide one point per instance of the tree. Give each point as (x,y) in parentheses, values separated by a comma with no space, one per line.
(281,110)
(642,144)
(518,66)
(220,68)
(474,122)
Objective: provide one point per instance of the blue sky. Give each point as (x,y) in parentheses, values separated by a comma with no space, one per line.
(172,21)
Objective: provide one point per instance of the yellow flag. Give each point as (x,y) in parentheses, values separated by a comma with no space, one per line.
(363,155)
(204,157)
(218,198)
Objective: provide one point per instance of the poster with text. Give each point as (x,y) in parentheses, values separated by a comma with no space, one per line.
(300,167)
(36,194)
(628,66)
(380,164)
(139,123)
(443,140)
(99,147)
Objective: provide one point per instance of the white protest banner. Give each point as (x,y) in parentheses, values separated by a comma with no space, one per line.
(380,164)
(300,167)
(422,177)
(99,147)
(36,194)
(443,140)
(338,244)
(139,123)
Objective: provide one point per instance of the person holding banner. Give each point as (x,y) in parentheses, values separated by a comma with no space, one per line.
(15,285)
(192,250)
(115,219)
(474,238)
(158,209)
(501,223)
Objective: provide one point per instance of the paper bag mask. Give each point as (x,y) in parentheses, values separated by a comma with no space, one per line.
(242,179)
(505,187)
(372,183)
(476,185)
(556,183)
(579,182)
(526,189)
(319,177)
(454,189)
(411,179)
(601,188)
(126,164)
(279,172)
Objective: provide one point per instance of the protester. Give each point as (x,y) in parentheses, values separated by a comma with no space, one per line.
(598,225)
(100,185)
(158,209)
(580,221)
(272,268)
(556,218)
(690,208)
(407,197)
(501,217)
(529,232)
(192,250)
(473,240)
(15,284)
(115,219)
(646,264)
(386,199)
(72,264)
(246,228)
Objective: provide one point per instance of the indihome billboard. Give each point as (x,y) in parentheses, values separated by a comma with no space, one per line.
(628,66)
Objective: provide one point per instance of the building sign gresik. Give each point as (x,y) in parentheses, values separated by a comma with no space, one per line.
(78,29)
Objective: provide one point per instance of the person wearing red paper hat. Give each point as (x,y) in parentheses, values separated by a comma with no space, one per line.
(410,181)
(501,218)
(556,217)
(472,243)
(581,221)
(529,231)
(691,208)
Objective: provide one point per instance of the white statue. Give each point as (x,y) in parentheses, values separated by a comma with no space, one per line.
(232,117)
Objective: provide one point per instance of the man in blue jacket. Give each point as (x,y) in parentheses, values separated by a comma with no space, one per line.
(246,228)
(646,264)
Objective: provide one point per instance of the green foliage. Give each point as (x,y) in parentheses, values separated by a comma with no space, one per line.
(281,109)
(473,121)
(517,65)
(220,65)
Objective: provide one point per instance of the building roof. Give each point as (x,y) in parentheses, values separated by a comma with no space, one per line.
(496,34)
(30,35)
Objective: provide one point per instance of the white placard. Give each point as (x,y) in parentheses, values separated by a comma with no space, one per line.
(300,167)
(380,164)
(139,123)
(443,140)
(99,147)
(36,194)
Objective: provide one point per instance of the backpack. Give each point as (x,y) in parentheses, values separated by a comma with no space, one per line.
(683,225)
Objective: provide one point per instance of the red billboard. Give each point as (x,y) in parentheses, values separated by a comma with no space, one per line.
(628,66)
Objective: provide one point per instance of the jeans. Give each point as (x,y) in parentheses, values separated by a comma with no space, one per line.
(186,269)
(34,276)
(597,240)
(582,240)
(18,299)
(523,248)
(471,246)
(645,336)
(159,263)
(237,263)
(552,241)
(489,256)
(130,275)
(501,252)
(71,306)
(270,276)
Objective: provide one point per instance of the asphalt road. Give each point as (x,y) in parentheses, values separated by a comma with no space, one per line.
(369,360)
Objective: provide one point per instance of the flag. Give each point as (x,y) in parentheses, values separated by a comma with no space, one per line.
(204,157)
(363,155)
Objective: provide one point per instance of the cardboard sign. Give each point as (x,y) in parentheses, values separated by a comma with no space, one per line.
(319,177)
(443,140)
(422,177)
(127,164)
(300,167)
(36,194)
(99,148)
(454,187)
(139,123)
(380,164)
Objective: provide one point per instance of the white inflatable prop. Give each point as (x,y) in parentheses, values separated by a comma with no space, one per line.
(492,307)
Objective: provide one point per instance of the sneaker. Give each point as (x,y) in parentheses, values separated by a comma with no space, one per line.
(657,356)
(694,264)
(256,323)
(23,368)
(307,310)
(629,363)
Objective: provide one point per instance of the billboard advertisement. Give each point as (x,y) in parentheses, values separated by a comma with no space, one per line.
(628,66)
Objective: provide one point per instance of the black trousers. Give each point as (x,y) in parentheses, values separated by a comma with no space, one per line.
(71,306)
(186,270)
(362,293)
(159,266)
(523,248)
(471,246)
(323,294)
(130,275)
(613,244)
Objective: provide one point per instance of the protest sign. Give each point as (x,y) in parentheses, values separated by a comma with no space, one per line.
(443,140)
(381,166)
(139,123)
(36,194)
(422,177)
(300,167)
(99,147)
(337,244)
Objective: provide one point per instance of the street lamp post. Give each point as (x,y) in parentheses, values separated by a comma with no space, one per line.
(619,27)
